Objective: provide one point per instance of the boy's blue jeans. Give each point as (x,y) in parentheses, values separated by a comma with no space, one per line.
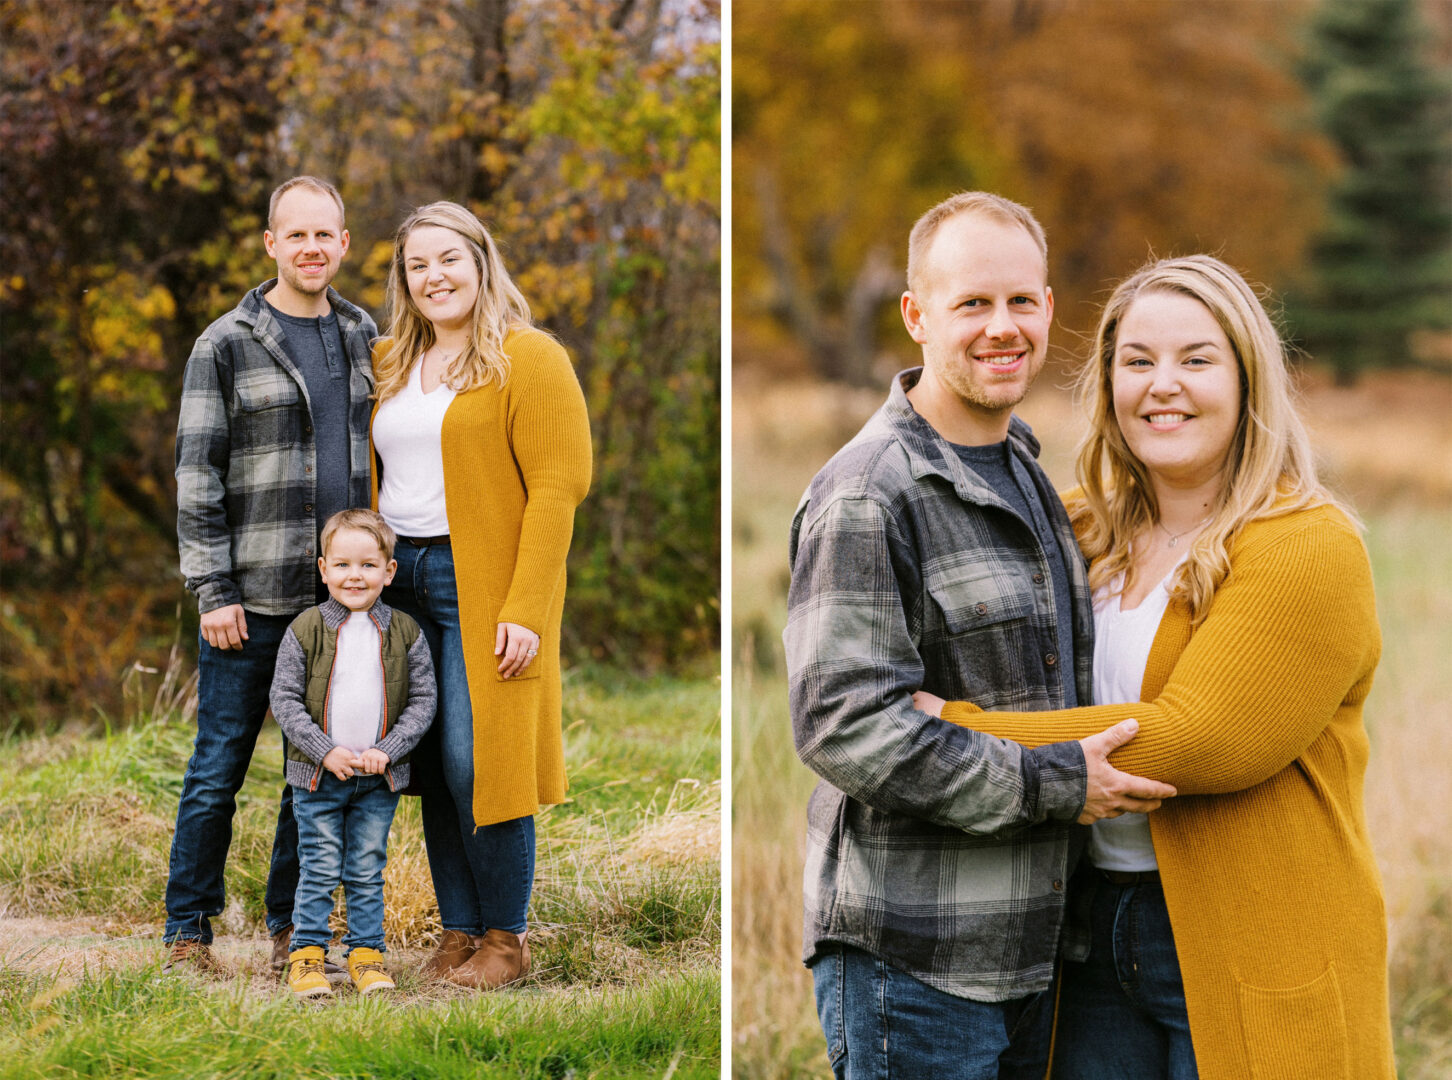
(232,690)
(482,876)
(882,1023)
(342,836)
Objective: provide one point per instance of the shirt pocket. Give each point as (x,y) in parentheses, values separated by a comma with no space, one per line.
(267,410)
(981,641)
(970,599)
(257,391)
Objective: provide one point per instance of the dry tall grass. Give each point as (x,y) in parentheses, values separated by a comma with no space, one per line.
(627,888)
(1386,444)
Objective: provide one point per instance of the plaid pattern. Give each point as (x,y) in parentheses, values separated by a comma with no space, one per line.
(246,462)
(941,850)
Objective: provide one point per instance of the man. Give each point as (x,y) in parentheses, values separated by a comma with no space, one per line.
(931,553)
(272,439)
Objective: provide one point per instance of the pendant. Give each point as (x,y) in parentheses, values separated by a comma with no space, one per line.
(1174,540)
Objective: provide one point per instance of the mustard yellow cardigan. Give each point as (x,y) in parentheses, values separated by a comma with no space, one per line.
(516,464)
(1256,718)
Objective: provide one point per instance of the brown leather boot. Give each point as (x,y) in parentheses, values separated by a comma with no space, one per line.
(455,947)
(188,954)
(281,946)
(500,960)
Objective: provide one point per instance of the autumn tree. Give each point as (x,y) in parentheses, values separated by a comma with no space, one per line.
(1130,129)
(845,127)
(144,137)
(1383,262)
(586,134)
(137,135)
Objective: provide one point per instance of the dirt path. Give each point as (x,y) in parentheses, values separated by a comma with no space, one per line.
(75,948)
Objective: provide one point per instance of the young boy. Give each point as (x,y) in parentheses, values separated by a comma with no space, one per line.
(353,693)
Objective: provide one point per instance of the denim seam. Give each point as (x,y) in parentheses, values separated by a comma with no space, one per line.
(841,988)
(880,970)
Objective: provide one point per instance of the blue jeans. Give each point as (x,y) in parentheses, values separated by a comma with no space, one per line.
(342,836)
(882,1023)
(232,691)
(482,877)
(1122,1011)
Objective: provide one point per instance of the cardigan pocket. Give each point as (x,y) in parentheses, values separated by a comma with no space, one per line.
(496,605)
(1295,1032)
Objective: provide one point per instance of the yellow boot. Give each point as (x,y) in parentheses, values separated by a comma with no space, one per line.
(305,976)
(365,968)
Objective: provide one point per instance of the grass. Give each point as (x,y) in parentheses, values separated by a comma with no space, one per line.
(1407,502)
(130,1023)
(625,923)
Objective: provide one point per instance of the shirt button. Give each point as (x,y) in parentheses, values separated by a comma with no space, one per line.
(309,551)
(1058,886)
(308,430)
(1051,659)
(308,469)
(982,609)
(307,508)
(1038,578)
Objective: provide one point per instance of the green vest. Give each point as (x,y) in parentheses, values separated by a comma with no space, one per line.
(320,646)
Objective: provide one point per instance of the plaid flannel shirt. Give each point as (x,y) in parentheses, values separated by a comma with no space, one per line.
(246,460)
(943,851)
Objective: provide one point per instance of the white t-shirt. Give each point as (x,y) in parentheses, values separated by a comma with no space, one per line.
(408,435)
(1122,642)
(355,698)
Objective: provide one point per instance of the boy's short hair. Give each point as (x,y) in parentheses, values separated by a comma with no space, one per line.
(369,521)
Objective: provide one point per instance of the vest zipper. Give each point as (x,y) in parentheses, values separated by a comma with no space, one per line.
(383,675)
(327,700)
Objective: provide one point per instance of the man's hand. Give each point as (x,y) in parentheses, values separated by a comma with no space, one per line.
(342,763)
(225,627)
(931,704)
(372,760)
(1112,792)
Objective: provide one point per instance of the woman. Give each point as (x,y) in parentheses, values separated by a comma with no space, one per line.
(1235,621)
(482,448)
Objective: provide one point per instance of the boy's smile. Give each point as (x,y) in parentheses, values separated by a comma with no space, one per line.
(355,569)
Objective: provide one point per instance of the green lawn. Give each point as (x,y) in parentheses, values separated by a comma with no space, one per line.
(625,925)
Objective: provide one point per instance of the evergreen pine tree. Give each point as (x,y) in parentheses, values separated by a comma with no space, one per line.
(1382,266)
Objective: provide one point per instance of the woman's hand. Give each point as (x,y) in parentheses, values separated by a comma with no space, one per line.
(517,645)
(928,703)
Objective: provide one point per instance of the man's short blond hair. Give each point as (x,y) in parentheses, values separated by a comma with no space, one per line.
(368,521)
(301,181)
(983,203)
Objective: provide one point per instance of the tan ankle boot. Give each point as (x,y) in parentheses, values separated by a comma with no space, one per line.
(500,960)
(455,947)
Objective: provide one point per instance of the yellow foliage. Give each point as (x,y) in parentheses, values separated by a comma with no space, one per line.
(123,314)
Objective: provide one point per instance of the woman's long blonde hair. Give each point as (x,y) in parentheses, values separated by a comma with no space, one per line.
(1269,467)
(498,309)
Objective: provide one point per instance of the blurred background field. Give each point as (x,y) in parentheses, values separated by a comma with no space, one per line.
(1386,444)
(1307,142)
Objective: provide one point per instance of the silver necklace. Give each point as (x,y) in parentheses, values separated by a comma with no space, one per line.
(1175,537)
